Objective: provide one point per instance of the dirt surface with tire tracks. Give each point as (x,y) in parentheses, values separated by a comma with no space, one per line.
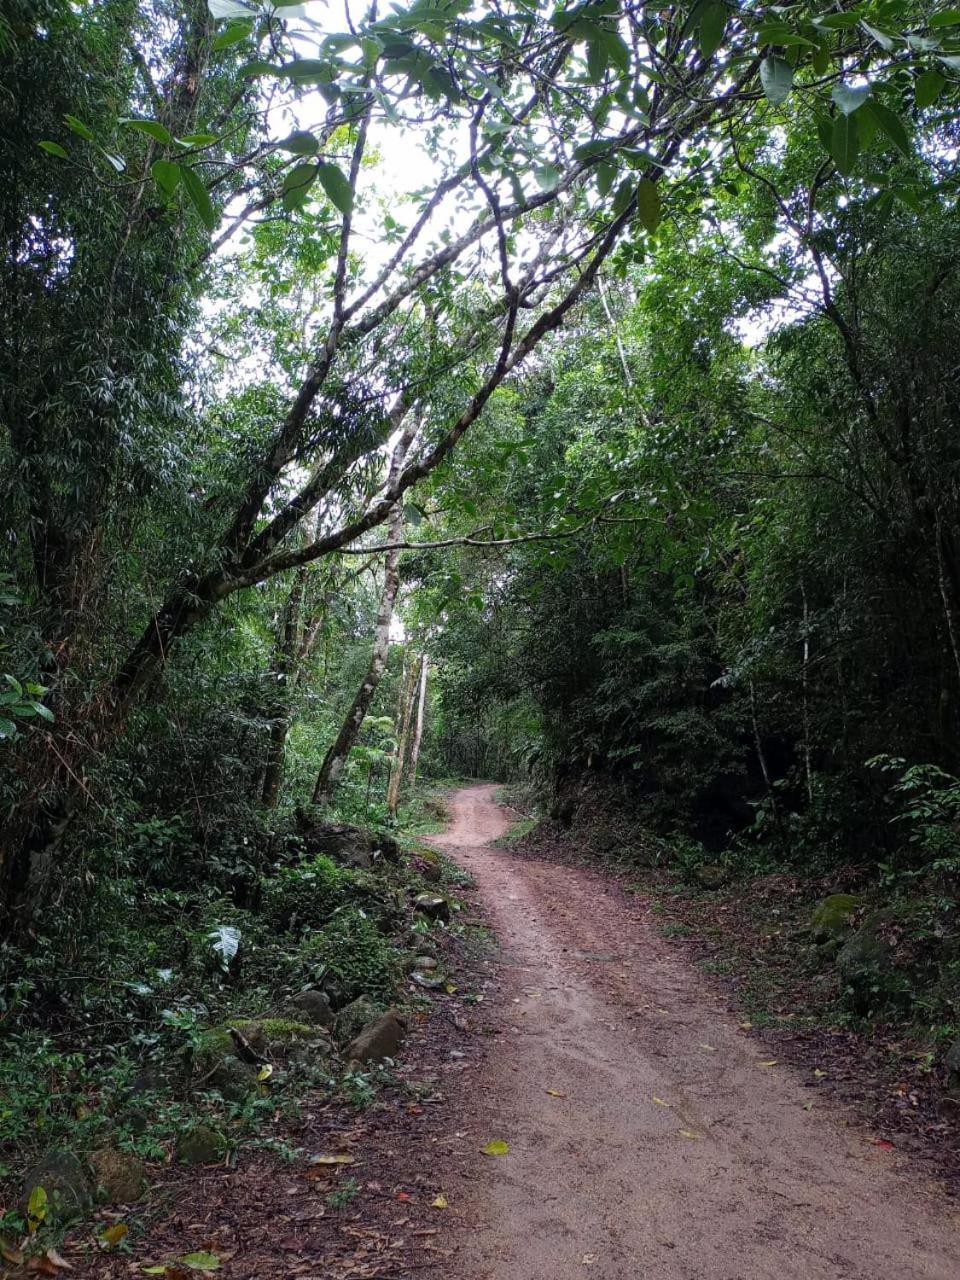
(648,1135)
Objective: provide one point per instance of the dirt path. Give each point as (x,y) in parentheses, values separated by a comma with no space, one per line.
(675,1149)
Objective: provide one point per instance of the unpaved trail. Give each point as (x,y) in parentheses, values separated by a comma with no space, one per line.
(676,1149)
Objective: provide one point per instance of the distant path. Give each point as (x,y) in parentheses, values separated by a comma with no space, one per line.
(730,1180)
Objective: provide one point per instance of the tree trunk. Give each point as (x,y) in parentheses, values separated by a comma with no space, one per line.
(335,760)
(407,700)
(418,736)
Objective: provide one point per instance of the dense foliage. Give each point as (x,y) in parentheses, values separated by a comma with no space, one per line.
(545,391)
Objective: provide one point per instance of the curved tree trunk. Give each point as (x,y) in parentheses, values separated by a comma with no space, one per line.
(335,760)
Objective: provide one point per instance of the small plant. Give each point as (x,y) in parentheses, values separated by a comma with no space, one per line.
(347,1191)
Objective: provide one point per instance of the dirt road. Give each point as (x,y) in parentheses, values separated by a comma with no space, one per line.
(649,1137)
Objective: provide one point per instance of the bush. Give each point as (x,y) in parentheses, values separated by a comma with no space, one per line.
(351,947)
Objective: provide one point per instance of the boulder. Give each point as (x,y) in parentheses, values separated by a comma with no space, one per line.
(432,906)
(425,963)
(866,965)
(119,1176)
(951,1064)
(711,875)
(379,1039)
(314,1007)
(350,846)
(234,1080)
(68,1189)
(833,917)
(200,1145)
(353,1017)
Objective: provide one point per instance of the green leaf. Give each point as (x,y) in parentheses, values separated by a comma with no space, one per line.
(606,176)
(891,124)
(117,163)
(622,197)
(301,143)
(152,128)
(850,98)
(236,32)
(228,8)
(166,175)
(713,23)
(78,127)
(884,40)
(547,176)
(335,184)
(7,728)
(36,1208)
(845,143)
(297,184)
(927,89)
(44,712)
(54,148)
(776,76)
(946,18)
(201,1261)
(649,210)
(196,139)
(821,60)
(199,196)
(616,49)
(496,1147)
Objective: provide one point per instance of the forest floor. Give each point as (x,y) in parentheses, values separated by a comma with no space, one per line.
(648,1132)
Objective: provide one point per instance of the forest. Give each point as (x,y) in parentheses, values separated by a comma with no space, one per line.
(563,395)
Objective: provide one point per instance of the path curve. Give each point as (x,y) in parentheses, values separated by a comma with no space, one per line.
(672,1151)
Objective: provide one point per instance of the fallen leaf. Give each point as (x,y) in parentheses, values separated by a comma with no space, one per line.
(745,1026)
(439,1202)
(55,1258)
(201,1261)
(709,1048)
(265,1072)
(338,1159)
(154,1271)
(660,1102)
(11,1255)
(686,1133)
(808,1106)
(403,1195)
(497,1147)
(770,1062)
(113,1235)
(555,1093)
(818,1073)
(882,1144)
(36,1208)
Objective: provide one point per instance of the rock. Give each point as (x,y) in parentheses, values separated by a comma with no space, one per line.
(314,1007)
(429,981)
(118,1175)
(432,906)
(379,1039)
(200,1145)
(335,989)
(833,917)
(425,963)
(951,1063)
(710,875)
(350,846)
(234,1080)
(865,963)
(353,1018)
(62,1177)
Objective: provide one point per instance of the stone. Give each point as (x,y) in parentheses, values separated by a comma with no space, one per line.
(353,1017)
(68,1189)
(951,1063)
(711,875)
(233,1080)
(432,906)
(425,963)
(350,846)
(200,1145)
(833,917)
(429,981)
(119,1176)
(865,963)
(314,1007)
(379,1039)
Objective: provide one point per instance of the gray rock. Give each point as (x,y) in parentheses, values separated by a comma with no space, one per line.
(425,963)
(951,1063)
(349,845)
(353,1017)
(314,1007)
(119,1176)
(234,1080)
(866,963)
(429,981)
(62,1177)
(200,1145)
(711,875)
(833,917)
(432,906)
(379,1039)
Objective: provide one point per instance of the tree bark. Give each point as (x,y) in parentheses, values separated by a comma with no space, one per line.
(407,700)
(418,736)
